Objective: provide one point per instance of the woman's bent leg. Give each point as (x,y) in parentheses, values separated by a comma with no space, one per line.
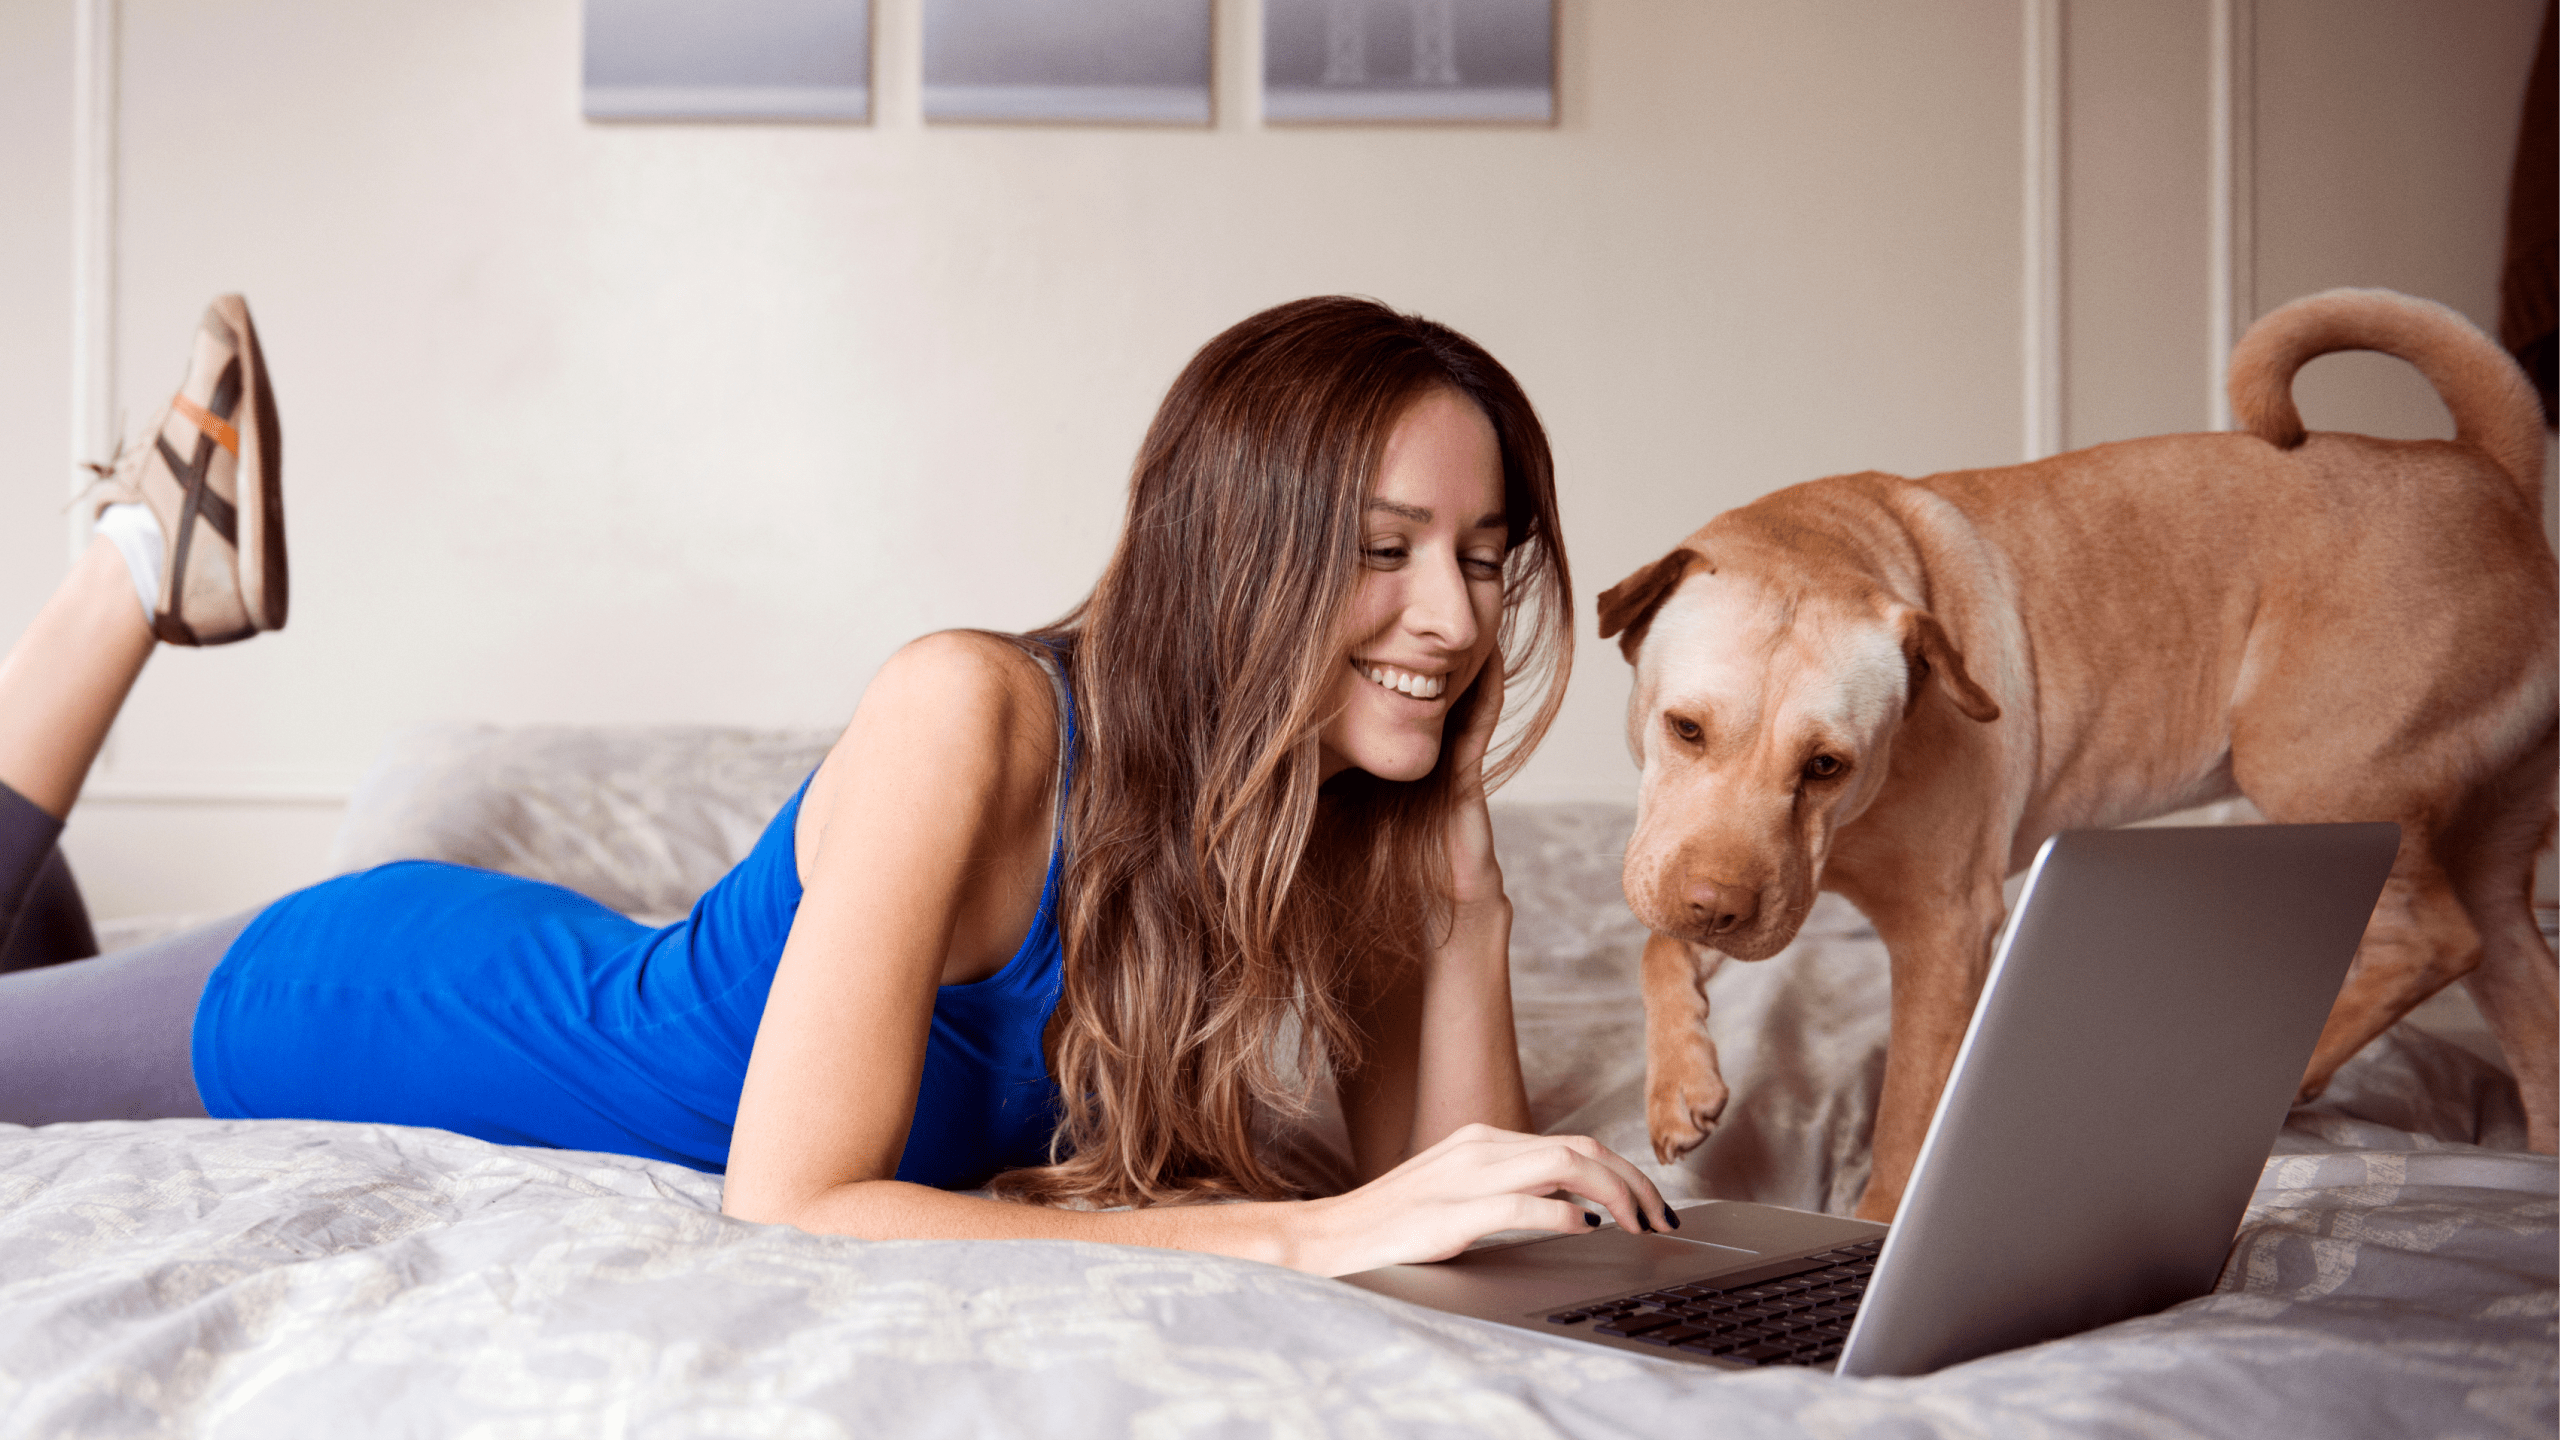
(42,920)
(60,688)
(52,923)
(107,1039)
(197,503)
(66,678)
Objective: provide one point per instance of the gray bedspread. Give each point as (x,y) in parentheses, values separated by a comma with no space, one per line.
(2394,1277)
(280,1278)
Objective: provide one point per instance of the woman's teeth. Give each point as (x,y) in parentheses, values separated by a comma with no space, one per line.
(1405,682)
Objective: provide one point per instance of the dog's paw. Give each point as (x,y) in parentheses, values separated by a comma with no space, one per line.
(1681,1114)
(2315,1082)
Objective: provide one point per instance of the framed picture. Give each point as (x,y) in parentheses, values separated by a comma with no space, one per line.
(1412,60)
(728,60)
(1124,61)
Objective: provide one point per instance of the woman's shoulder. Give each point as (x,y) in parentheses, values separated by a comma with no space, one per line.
(976,678)
(971,708)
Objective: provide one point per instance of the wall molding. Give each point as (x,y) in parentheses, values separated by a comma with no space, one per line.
(107,792)
(96,59)
(95,52)
(2040,340)
(2231,201)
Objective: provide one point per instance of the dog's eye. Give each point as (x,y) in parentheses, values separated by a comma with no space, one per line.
(1822,767)
(1685,728)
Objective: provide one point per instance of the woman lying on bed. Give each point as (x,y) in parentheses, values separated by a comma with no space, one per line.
(1040,921)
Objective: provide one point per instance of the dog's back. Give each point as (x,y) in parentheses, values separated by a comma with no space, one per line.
(2197,568)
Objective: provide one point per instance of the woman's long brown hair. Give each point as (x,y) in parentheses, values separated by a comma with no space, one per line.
(1213,894)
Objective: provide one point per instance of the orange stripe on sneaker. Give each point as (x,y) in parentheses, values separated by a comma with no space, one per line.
(208,422)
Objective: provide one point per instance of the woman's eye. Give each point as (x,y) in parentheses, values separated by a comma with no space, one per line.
(1385,554)
(1822,767)
(1484,567)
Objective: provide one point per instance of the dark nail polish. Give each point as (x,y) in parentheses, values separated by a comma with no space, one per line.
(1644,1221)
(1671,1215)
(1590,1219)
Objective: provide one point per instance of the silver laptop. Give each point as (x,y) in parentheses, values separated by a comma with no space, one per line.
(2146,1022)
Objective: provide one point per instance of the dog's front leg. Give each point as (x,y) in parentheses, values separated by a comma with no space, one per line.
(1940,956)
(1684,1090)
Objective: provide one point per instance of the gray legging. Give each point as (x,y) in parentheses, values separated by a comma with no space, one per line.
(83,1038)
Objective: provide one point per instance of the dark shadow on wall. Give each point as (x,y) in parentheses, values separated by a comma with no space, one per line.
(2526,322)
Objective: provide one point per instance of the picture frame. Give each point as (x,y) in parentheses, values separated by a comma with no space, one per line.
(1408,61)
(1140,62)
(783,60)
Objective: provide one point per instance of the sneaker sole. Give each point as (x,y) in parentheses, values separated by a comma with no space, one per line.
(264,589)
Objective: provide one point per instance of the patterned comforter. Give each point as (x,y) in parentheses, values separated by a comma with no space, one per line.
(288,1278)
(2394,1276)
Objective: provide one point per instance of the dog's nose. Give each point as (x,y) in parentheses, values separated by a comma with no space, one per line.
(1719,908)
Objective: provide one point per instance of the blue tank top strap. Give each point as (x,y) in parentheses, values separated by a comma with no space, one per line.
(1053,663)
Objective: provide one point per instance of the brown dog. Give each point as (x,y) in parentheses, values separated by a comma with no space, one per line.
(1896,689)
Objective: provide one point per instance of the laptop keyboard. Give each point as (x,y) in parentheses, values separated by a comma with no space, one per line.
(1799,1316)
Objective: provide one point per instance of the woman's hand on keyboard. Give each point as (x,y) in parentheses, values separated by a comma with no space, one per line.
(1477,1181)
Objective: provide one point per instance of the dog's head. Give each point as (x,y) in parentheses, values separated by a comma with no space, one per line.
(1768,691)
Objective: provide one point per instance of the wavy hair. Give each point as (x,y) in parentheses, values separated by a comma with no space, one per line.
(1214,890)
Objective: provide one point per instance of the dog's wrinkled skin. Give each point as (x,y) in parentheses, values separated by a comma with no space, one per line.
(1898,689)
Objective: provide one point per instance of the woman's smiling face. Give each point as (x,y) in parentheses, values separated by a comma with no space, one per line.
(1429,601)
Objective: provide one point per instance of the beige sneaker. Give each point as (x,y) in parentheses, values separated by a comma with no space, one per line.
(211,470)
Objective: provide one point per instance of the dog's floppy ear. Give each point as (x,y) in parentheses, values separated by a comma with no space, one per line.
(1928,651)
(1629,604)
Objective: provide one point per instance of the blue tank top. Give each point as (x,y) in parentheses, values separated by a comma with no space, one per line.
(421,993)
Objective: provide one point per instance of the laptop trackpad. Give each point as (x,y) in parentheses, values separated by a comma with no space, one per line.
(1549,1273)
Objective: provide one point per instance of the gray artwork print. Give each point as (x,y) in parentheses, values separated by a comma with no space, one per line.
(1410,60)
(727,60)
(1106,61)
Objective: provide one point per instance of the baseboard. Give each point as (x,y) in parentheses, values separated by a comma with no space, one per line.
(118,791)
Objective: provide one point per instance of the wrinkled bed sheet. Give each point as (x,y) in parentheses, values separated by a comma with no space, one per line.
(2394,1276)
(286,1278)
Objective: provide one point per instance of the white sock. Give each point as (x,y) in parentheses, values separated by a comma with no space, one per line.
(138,539)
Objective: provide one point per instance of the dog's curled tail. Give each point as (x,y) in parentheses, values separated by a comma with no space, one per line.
(2493,404)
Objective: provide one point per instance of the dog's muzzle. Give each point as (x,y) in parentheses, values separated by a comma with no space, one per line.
(1716,908)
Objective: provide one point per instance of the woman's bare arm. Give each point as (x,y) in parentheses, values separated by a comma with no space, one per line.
(1444,1052)
(910,802)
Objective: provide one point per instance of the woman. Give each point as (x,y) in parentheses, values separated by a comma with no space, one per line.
(1034,922)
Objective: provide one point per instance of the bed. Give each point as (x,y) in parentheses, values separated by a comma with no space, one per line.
(2394,1275)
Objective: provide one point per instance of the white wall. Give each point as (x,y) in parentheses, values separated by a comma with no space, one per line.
(2379,136)
(639,423)
(35,301)
(2380,140)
